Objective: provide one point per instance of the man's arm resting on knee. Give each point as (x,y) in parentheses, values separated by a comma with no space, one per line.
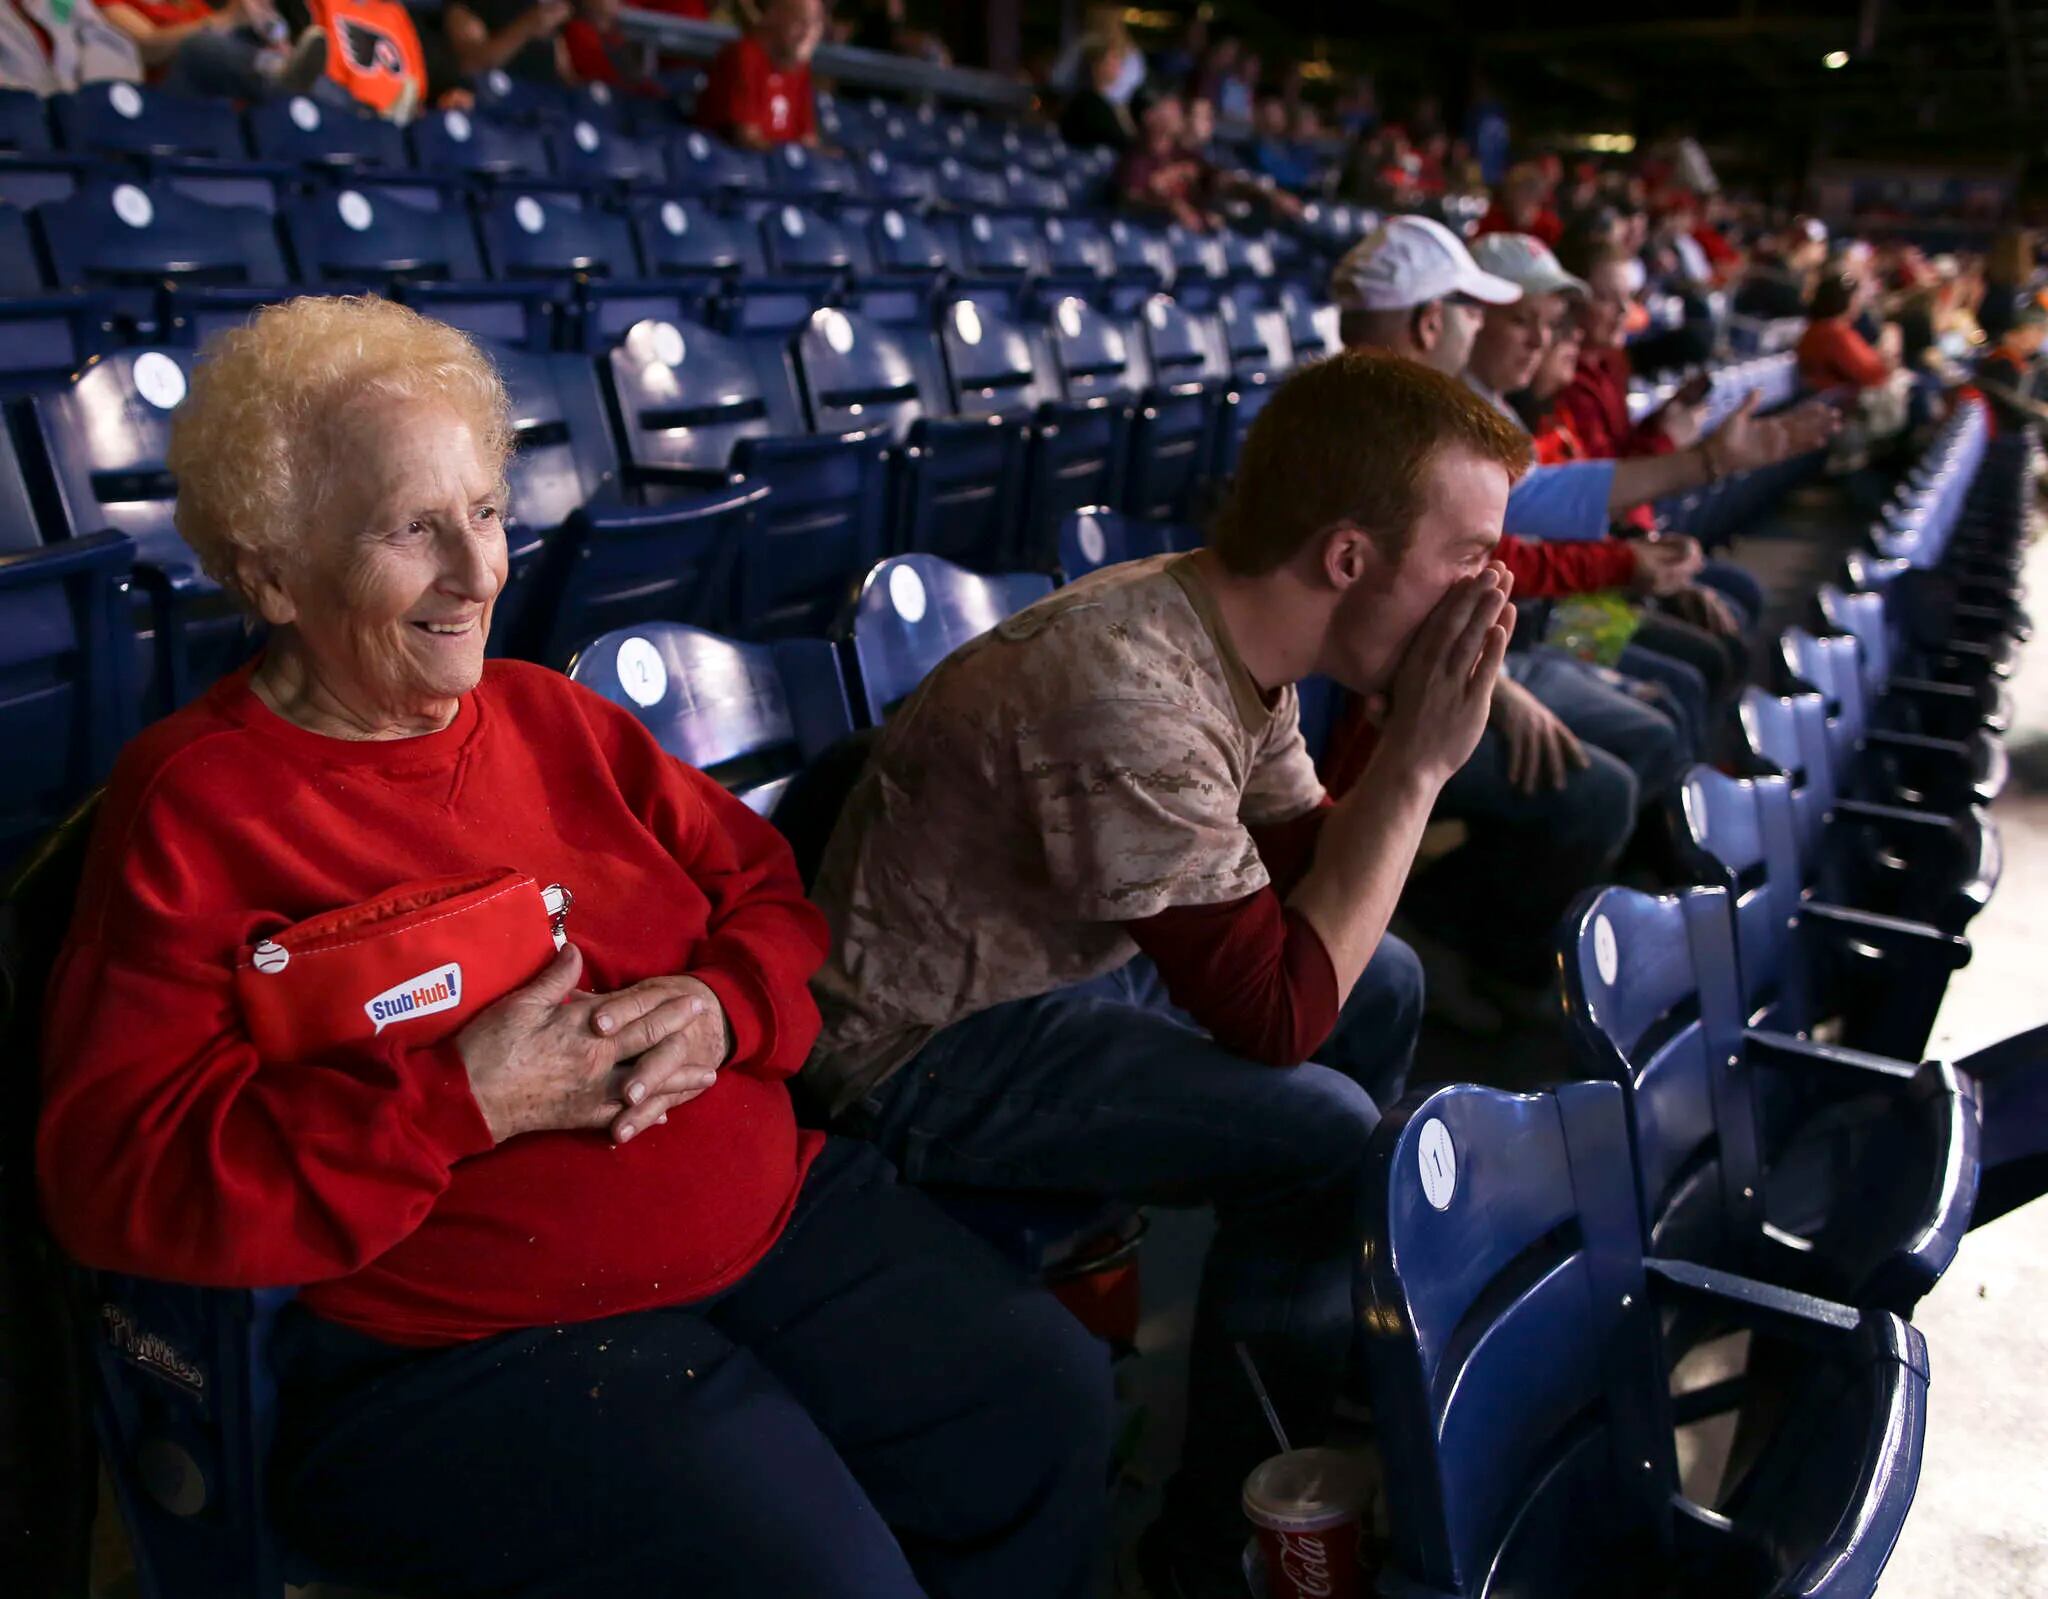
(1252,972)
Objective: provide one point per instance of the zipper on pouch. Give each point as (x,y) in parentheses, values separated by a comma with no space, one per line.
(556,900)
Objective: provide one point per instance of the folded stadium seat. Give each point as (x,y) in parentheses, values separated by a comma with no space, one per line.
(585,259)
(196,146)
(1179,412)
(892,181)
(700,164)
(984,142)
(1033,193)
(809,176)
(1943,696)
(44,333)
(1075,447)
(1822,939)
(362,240)
(912,612)
(800,243)
(748,716)
(1311,323)
(525,101)
(700,251)
(1904,860)
(32,169)
(590,552)
(67,650)
(915,137)
(1199,268)
(131,243)
(1078,261)
(303,132)
(691,412)
(1141,263)
(1520,1373)
(958,481)
(996,255)
(1257,355)
(102,439)
(478,149)
(1095,536)
(1817,1168)
(961,187)
(1088,354)
(910,261)
(1247,259)
(1883,752)
(591,157)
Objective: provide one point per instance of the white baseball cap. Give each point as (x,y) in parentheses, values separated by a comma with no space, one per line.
(1527,262)
(1410,261)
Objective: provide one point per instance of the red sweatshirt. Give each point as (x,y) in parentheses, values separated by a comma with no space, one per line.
(168,1149)
(1595,406)
(1832,354)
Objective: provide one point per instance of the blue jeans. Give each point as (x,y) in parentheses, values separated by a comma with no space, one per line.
(880,1409)
(1499,895)
(1107,1089)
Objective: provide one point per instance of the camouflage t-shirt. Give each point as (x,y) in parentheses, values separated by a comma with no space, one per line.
(1095,759)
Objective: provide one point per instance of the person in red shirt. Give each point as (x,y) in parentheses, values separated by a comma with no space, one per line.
(1832,354)
(1523,206)
(1595,402)
(591,45)
(561,1248)
(760,92)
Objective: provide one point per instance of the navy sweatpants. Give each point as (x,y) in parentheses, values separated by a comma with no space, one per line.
(880,1409)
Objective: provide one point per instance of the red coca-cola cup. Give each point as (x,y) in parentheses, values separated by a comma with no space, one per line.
(1309,1509)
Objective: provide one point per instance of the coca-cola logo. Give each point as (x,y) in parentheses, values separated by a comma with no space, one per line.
(1305,1562)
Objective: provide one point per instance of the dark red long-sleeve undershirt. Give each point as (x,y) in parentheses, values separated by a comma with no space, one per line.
(1252,972)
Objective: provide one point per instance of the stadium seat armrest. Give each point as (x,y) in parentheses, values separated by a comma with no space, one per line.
(618,516)
(107,552)
(815,687)
(1891,935)
(1929,688)
(1779,1312)
(1765,1047)
(1917,744)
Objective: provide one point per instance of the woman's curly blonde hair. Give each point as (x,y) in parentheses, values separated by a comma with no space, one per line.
(249,445)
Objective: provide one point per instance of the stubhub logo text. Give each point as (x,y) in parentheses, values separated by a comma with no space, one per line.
(439,989)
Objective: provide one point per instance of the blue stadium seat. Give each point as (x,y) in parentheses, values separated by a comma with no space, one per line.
(1943,697)
(914,611)
(1095,536)
(808,176)
(67,694)
(691,412)
(587,154)
(1311,325)
(703,253)
(103,438)
(1141,264)
(1078,258)
(806,244)
(585,260)
(902,183)
(1815,946)
(1520,1378)
(998,250)
(968,188)
(1179,413)
(526,101)
(958,480)
(1076,447)
(700,164)
(749,716)
(362,239)
(129,241)
(125,119)
(592,552)
(307,132)
(44,333)
(1874,757)
(1815,1167)
(1259,355)
(1199,268)
(1033,193)
(478,148)
(24,123)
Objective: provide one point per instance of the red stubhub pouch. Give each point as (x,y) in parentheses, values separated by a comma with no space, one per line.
(423,957)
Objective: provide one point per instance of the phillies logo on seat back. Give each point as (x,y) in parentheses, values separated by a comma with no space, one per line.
(436,990)
(377,50)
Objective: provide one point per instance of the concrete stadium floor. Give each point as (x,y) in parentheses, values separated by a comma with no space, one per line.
(1979,1525)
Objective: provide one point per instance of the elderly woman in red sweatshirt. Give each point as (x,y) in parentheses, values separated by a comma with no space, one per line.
(582,1310)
